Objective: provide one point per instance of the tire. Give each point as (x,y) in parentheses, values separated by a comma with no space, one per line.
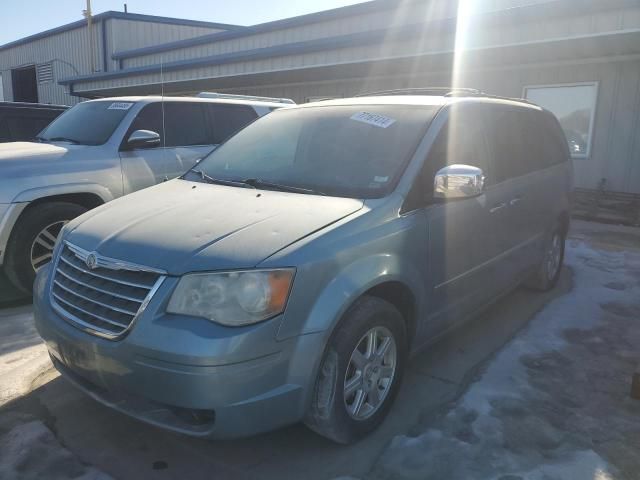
(332,414)
(548,273)
(23,245)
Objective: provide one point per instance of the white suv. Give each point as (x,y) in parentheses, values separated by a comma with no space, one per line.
(100,150)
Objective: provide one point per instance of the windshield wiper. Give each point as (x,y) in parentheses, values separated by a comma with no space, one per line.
(254,183)
(60,139)
(220,181)
(258,183)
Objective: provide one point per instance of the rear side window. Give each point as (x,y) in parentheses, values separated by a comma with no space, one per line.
(229,119)
(524,141)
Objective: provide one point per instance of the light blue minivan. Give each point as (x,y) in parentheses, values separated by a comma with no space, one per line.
(292,272)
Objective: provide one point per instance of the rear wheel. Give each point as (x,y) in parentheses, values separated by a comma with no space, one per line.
(546,277)
(360,373)
(33,238)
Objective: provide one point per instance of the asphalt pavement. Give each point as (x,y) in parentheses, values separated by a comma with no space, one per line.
(10,296)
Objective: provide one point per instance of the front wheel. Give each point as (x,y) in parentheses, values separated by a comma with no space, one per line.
(361,372)
(31,243)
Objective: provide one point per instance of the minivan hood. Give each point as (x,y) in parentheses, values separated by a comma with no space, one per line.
(183,226)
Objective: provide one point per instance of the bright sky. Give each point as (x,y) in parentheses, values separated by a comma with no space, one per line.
(21,18)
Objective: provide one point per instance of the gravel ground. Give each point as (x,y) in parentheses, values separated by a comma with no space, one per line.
(554,403)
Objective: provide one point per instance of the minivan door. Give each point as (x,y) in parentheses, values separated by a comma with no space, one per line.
(185,137)
(465,235)
(516,152)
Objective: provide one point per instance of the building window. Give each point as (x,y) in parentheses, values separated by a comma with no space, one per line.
(575,107)
(1,89)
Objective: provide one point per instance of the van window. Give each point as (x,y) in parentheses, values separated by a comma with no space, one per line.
(555,145)
(524,141)
(462,140)
(228,119)
(343,151)
(533,139)
(509,135)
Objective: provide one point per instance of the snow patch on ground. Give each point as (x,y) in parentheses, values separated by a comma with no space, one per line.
(30,451)
(537,412)
(23,355)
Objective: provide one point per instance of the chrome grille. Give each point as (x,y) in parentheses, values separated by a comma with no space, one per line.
(101,295)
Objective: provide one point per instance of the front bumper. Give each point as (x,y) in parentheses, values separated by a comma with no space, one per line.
(184,374)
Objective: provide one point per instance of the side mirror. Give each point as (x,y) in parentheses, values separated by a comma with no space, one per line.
(143,139)
(458,181)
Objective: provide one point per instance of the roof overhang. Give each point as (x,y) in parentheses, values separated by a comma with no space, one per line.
(618,44)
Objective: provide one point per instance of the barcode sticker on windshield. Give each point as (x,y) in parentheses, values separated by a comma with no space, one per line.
(373,119)
(120,106)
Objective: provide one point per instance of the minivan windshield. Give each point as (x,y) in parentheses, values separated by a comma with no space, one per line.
(356,151)
(88,123)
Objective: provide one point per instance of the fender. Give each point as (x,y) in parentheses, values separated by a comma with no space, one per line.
(51,190)
(351,283)
(23,199)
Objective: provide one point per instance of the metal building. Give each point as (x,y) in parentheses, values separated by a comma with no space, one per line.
(579,58)
(31,68)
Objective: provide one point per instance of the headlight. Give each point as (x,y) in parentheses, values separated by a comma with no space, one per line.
(233,298)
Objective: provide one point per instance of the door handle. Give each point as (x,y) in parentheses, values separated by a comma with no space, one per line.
(500,206)
(515,201)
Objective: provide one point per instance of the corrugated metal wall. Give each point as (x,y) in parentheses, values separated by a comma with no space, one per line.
(437,9)
(62,49)
(69,52)
(128,35)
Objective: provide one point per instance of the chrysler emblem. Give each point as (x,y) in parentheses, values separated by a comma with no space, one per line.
(91,261)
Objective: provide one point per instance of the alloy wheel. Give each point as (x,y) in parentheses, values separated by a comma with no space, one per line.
(42,246)
(370,373)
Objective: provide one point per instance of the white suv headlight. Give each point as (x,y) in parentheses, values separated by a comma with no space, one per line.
(233,298)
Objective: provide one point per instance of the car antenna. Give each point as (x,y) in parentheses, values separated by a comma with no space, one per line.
(164,132)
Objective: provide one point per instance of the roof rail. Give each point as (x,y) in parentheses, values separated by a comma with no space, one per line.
(444,92)
(429,91)
(230,96)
